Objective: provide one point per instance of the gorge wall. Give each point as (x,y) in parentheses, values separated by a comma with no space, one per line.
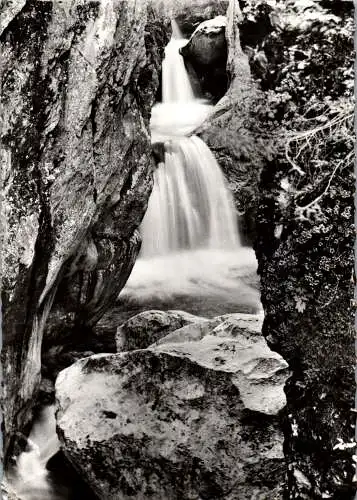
(79,80)
(305,253)
(299,214)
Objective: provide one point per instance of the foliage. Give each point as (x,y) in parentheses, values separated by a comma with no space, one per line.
(305,69)
(306,58)
(320,157)
(305,230)
(301,55)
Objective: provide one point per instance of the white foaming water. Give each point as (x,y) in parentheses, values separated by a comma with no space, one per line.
(30,478)
(226,276)
(180,112)
(191,245)
(176,86)
(191,206)
(176,119)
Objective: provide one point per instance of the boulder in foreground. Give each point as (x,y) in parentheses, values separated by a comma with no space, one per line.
(178,420)
(147,327)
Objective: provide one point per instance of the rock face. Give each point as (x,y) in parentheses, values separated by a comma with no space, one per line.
(190,13)
(306,267)
(232,132)
(258,372)
(79,80)
(206,52)
(142,330)
(186,418)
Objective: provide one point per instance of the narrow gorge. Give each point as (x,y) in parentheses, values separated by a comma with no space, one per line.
(177,250)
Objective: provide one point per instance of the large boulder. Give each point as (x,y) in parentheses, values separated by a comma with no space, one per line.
(206,53)
(207,45)
(190,417)
(148,327)
(191,14)
(78,83)
(235,345)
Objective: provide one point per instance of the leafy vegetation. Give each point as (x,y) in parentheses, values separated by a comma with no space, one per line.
(303,61)
(304,58)
(304,68)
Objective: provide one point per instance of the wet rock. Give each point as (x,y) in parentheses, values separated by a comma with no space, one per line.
(66,479)
(58,358)
(206,53)
(148,327)
(190,13)
(207,45)
(158,151)
(178,420)
(46,394)
(78,86)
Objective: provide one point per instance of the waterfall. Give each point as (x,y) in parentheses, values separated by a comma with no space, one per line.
(191,206)
(191,257)
(176,85)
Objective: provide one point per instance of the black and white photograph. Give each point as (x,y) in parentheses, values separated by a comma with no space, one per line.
(177,235)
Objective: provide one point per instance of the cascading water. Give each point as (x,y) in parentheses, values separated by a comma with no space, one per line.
(176,86)
(190,241)
(30,478)
(190,206)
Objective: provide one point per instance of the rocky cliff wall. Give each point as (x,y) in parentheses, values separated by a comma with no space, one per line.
(78,82)
(301,149)
(305,253)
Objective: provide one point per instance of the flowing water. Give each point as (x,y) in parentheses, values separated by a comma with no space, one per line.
(191,255)
(30,480)
(190,206)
